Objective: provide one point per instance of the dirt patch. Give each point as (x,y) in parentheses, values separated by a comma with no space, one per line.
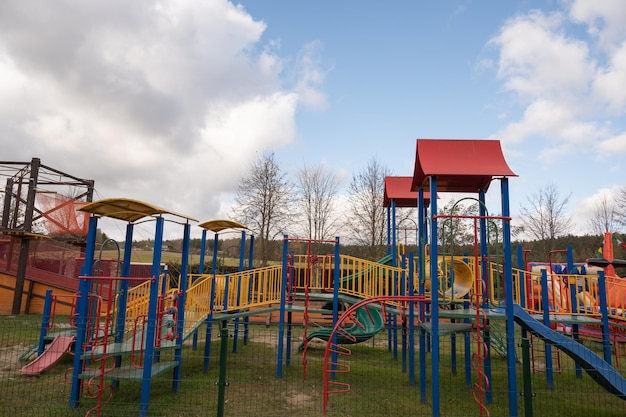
(9,363)
(298,398)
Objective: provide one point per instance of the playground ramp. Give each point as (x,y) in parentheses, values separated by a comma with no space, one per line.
(50,356)
(603,373)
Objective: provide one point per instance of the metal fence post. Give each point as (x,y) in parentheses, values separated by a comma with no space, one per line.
(222,384)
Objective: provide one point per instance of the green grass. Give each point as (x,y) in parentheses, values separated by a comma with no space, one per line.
(378,387)
(145,256)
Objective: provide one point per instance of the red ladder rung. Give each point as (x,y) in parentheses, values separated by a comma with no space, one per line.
(340,368)
(344,333)
(346,387)
(334,348)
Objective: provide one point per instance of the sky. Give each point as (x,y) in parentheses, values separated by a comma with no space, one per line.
(170,101)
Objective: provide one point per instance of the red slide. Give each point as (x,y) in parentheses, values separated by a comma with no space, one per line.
(50,356)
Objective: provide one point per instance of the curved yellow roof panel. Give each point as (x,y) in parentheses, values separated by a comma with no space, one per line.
(126,209)
(219,225)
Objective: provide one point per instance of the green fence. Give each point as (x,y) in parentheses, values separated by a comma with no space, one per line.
(244,383)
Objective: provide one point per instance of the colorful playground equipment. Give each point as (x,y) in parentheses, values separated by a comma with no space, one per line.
(112,325)
(125,332)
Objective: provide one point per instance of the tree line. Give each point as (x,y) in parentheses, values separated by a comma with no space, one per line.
(272,204)
(307,205)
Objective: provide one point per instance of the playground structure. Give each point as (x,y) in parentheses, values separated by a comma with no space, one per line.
(34,195)
(124,333)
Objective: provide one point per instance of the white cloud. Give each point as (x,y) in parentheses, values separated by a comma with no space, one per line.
(165,101)
(537,59)
(604,19)
(613,145)
(564,83)
(310,76)
(257,124)
(553,120)
(610,81)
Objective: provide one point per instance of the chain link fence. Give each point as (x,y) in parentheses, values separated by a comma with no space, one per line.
(240,379)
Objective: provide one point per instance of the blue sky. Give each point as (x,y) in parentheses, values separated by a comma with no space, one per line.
(428,69)
(168,101)
(391,74)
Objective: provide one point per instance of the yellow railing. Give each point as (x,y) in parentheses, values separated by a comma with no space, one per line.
(197,306)
(246,289)
(138,297)
(265,285)
(365,279)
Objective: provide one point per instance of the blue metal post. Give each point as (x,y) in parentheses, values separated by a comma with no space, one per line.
(246,319)
(604,311)
(82,305)
(194,339)
(242,257)
(152,319)
(209,326)
(290,296)
(421,215)
(388,230)
(484,252)
(226,292)
(251,254)
(128,251)
(394,237)
(182,298)
(209,320)
(508,290)
(120,326)
(283,300)
(45,322)
(202,250)
(392,318)
(216,241)
(434,291)
(404,318)
(573,284)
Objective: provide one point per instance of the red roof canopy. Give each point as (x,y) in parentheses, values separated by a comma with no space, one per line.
(399,189)
(460,165)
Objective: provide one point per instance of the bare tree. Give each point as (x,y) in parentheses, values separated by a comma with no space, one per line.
(317,188)
(263,202)
(604,217)
(455,230)
(620,206)
(546,217)
(366,212)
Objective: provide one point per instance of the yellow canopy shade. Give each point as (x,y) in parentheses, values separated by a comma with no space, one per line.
(219,225)
(126,209)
